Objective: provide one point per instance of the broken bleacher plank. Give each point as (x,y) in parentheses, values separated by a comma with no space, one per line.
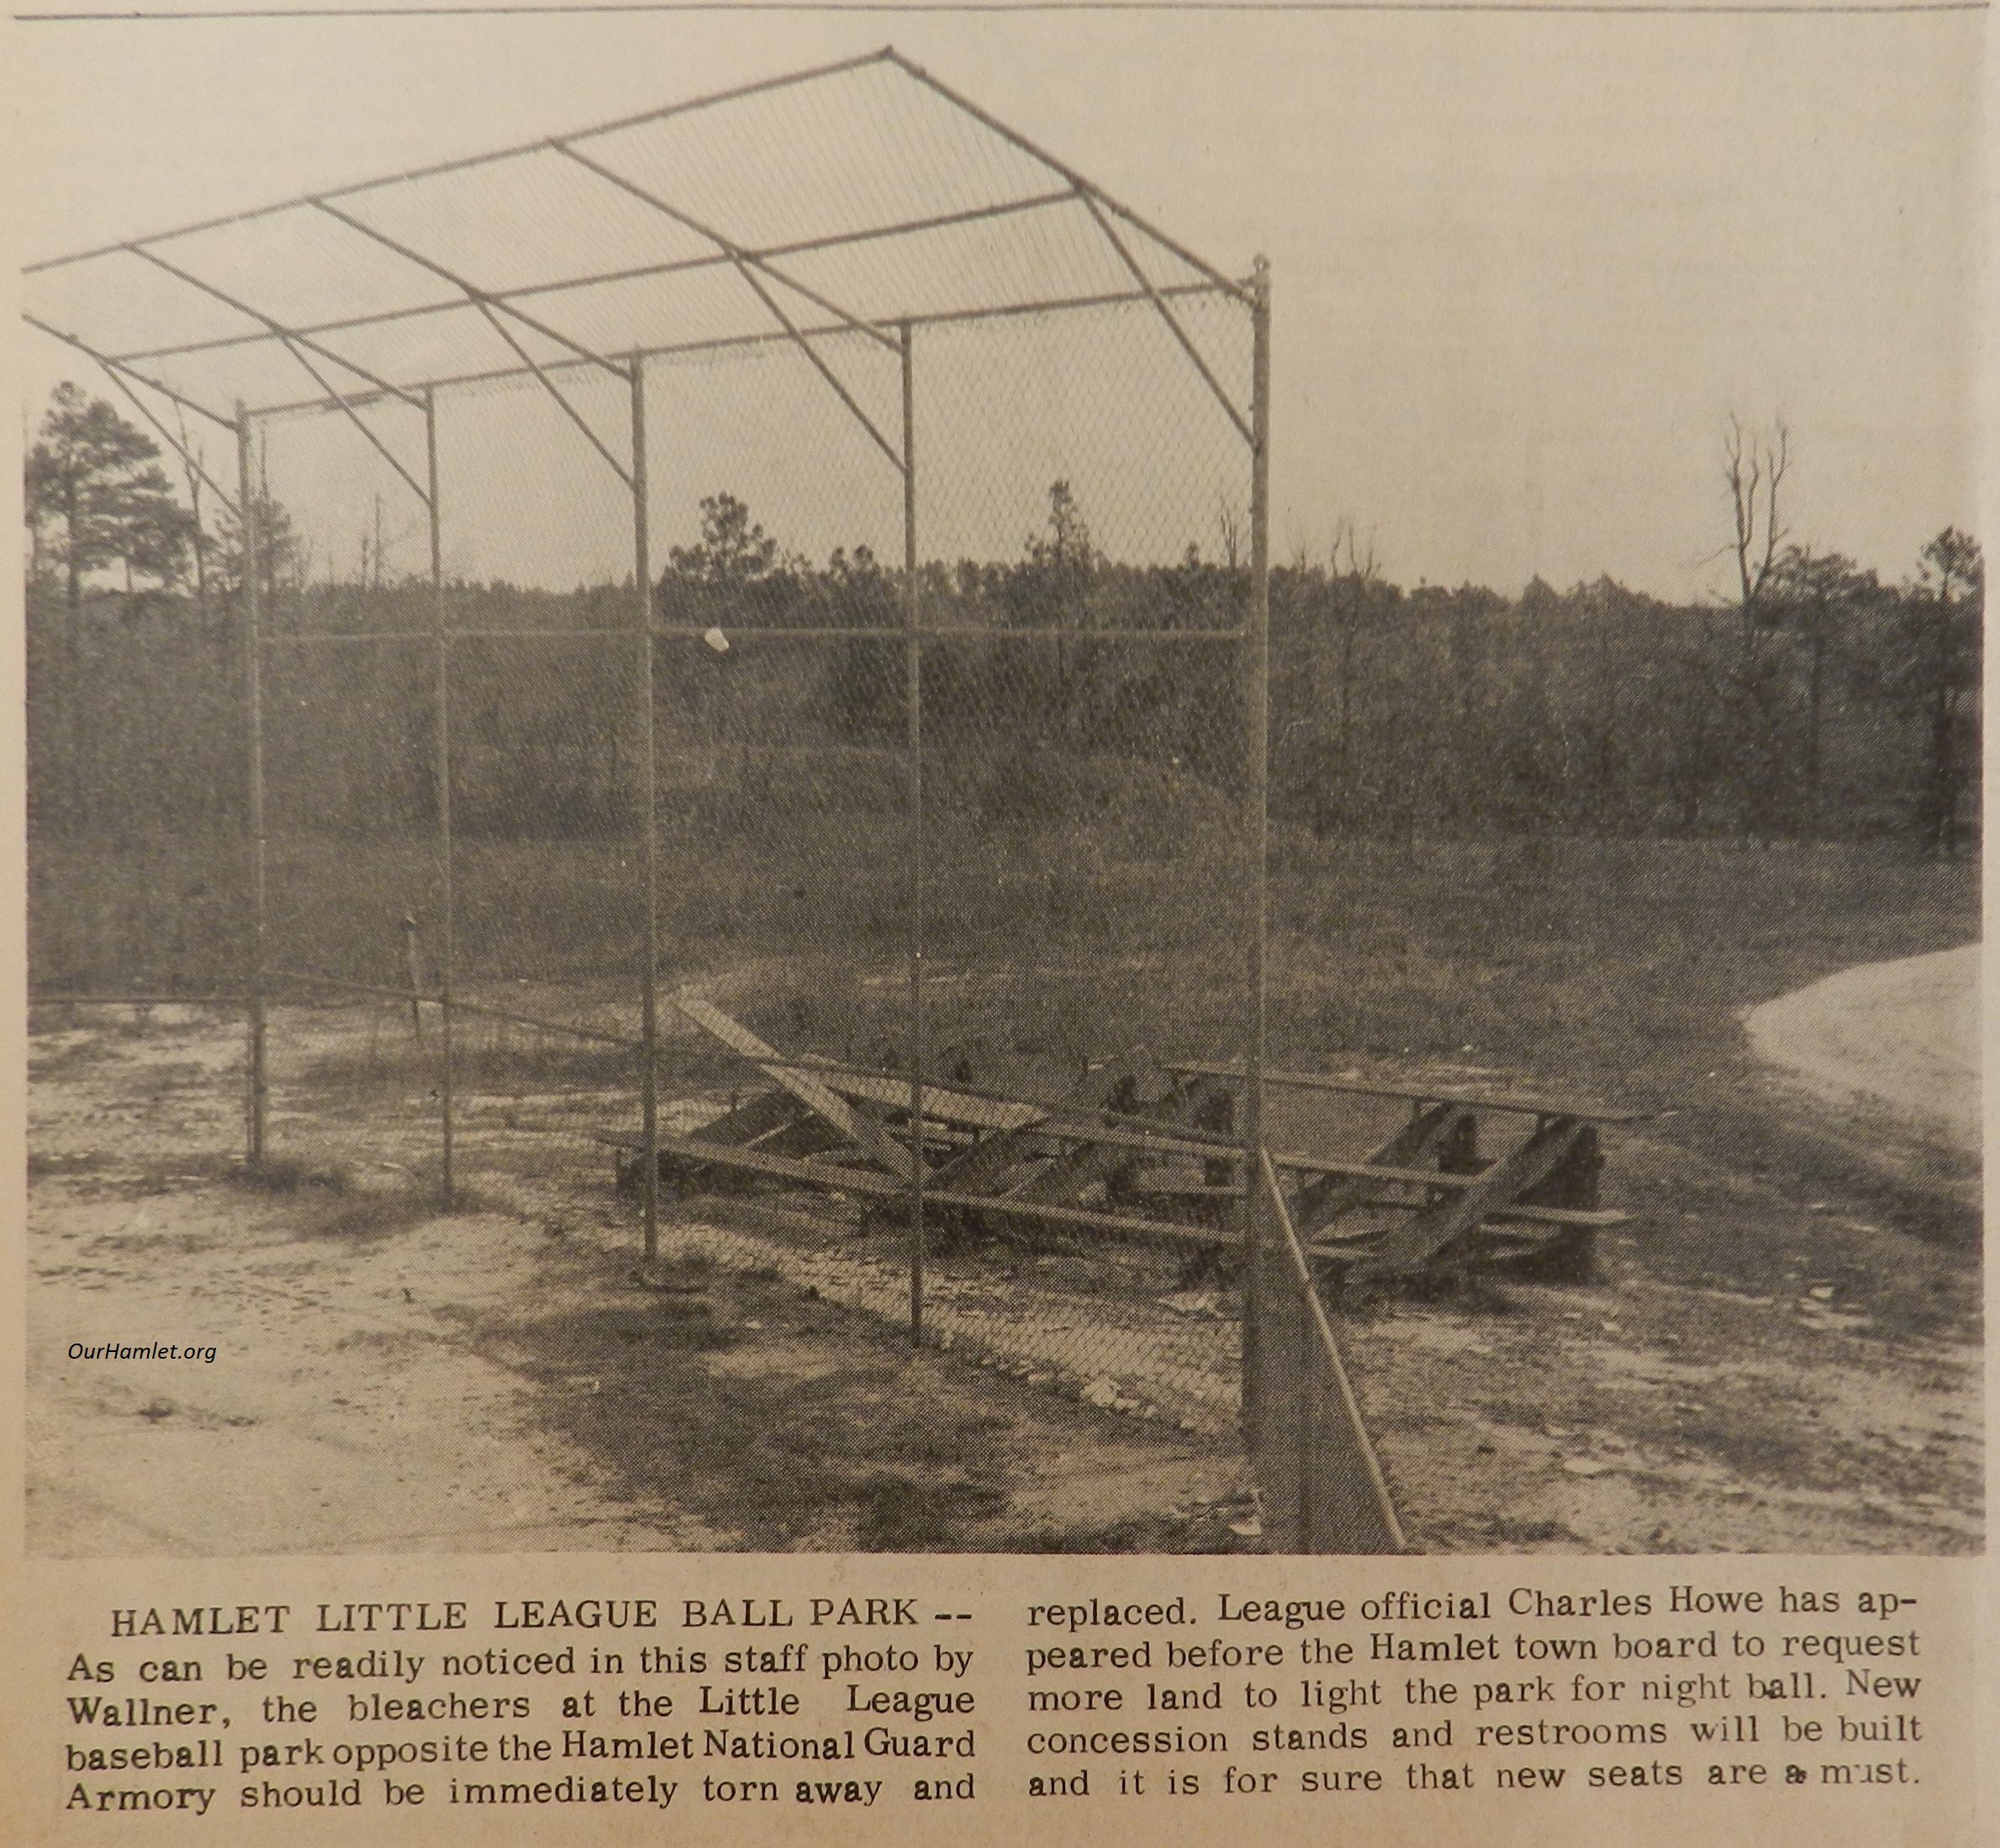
(1325,1197)
(1103,1157)
(867,1135)
(1507,1102)
(826,1177)
(757,1117)
(942,1104)
(981,1167)
(1426,1236)
(820,1173)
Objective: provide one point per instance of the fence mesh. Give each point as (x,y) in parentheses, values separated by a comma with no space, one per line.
(501,787)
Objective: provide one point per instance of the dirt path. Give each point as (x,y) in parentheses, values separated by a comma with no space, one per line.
(1901,1035)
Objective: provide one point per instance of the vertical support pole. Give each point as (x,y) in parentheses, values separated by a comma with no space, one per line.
(1256,697)
(913,673)
(649,955)
(253,668)
(442,668)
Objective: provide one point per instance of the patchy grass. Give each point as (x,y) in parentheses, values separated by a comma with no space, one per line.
(1614,967)
(1612,962)
(325,1200)
(286,1174)
(47,1164)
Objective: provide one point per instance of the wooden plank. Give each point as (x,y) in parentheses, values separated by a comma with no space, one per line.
(1506,1101)
(1520,1213)
(827,1177)
(822,1173)
(959,1108)
(1573,1182)
(809,1091)
(1068,1177)
(1592,1219)
(1176,1144)
(1411,1246)
(1174,1137)
(755,1117)
(1375,1173)
(1160,1181)
(1323,1200)
(984,1165)
(1030,1122)
(809,1136)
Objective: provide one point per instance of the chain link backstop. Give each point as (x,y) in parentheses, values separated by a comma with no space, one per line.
(797,560)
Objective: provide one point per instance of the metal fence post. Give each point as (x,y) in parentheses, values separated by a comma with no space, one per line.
(253,657)
(1323,1486)
(913,657)
(441,744)
(649,962)
(1255,696)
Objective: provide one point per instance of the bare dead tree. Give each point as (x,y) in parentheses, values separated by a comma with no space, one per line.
(1229,531)
(1754,465)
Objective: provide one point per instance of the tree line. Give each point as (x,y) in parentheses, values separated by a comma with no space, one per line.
(1821,701)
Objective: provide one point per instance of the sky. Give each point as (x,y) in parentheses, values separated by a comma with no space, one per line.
(1524,268)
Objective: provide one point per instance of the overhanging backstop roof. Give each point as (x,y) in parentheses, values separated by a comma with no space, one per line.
(809,209)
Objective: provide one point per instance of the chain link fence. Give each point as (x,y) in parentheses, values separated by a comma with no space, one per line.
(892,696)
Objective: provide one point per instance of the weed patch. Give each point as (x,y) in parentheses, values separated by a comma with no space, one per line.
(286,1174)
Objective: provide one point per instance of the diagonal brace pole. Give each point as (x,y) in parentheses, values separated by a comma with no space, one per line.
(360,423)
(747,262)
(297,345)
(554,391)
(1035,152)
(707,259)
(1429,1233)
(1167,314)
(736,253)
(112,365)
(820,364)
(472,292)
(166,436)
(288,335)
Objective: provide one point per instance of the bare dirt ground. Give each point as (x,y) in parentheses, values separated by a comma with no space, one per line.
(1769,1361)
(387,1379)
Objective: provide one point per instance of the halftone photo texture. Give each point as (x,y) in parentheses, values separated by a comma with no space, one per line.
(745,607)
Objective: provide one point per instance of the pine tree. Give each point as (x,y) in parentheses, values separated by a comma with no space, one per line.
(96,496)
